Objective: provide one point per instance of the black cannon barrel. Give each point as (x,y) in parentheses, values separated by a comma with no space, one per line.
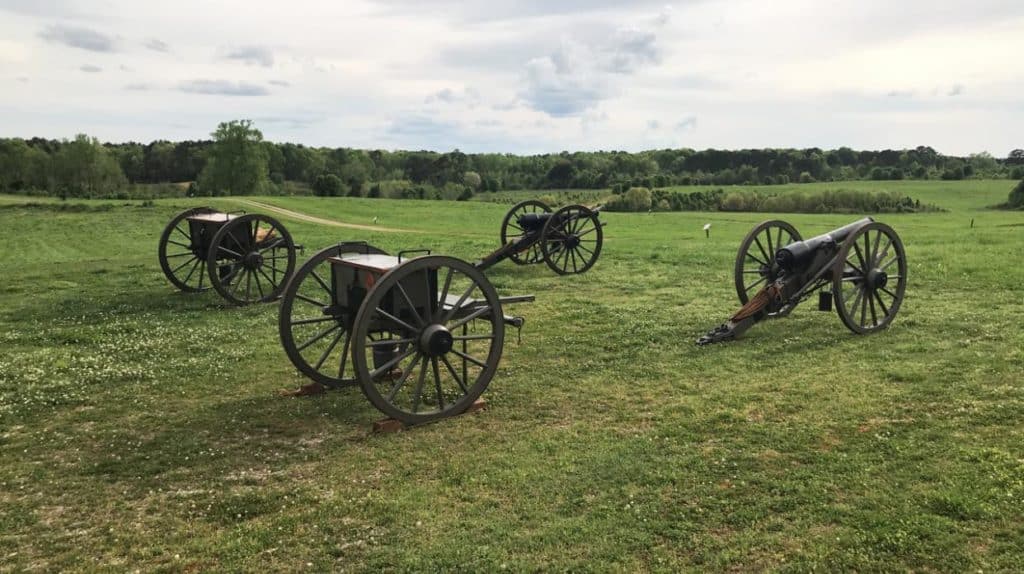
(800,252)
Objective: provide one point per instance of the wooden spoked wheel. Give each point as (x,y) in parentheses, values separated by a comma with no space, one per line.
(870,278)
(755,261)
(315,331)
(571,240)
(511,230)
(180,256)
(251,259)
(427,339)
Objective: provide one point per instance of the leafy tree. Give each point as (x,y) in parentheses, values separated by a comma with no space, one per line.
(132,158)
(472,180)
(1016,157)
(17,169)
(953,173)
(1016,199)
(301,163)
(636,199)
(328,185)
(561,175)
(158,162)
(983,164)
(275,158)
(237,164)
(84,168)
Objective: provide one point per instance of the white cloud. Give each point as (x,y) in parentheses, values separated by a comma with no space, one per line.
(533,76)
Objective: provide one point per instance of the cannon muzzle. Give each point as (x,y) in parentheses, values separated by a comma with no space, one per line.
(798,253)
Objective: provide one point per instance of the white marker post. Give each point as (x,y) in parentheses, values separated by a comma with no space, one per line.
(707,230)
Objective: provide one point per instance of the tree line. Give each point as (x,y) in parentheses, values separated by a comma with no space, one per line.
(762,200)
(237,160)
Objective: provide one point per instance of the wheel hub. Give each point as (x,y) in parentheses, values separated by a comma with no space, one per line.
(877,278)
(436,340)
(572,241)
(252,260)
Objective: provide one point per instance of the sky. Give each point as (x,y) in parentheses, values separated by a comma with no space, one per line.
(529,76)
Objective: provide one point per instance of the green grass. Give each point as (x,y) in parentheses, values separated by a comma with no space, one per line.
(140,427)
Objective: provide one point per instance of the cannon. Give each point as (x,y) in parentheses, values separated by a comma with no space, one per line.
(246,258)
(421,334)
(860,269)
(568,240)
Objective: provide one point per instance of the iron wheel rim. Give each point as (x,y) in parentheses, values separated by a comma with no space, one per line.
(234,279)
(318,342)
(863,305)
(572,236)
(509,224)
(181,265)
(755,261)
(391,386)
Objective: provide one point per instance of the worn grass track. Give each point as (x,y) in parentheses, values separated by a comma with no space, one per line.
(140,427)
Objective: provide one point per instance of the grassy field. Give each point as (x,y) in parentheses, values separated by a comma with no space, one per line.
(140,428)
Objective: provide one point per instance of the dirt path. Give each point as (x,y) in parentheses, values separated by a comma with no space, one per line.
(320,220)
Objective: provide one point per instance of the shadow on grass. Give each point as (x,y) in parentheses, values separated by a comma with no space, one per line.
(230,436)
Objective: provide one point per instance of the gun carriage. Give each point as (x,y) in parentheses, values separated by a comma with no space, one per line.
(568,240)
(860,269)
(422,335)
(246,258)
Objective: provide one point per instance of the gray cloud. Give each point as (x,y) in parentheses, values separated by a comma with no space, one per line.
(76,37)
(631,49)
(686,124)
(222,88)
(653,124)
(157,45)
(90,69)
(138,87)
(955,90)
(252,55)
(580,74)
(467,96)
(559,90)
(281,83)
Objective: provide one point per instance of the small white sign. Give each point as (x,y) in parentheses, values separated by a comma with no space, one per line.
(707,226)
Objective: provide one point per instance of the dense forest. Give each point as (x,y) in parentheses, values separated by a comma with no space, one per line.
(237,160)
